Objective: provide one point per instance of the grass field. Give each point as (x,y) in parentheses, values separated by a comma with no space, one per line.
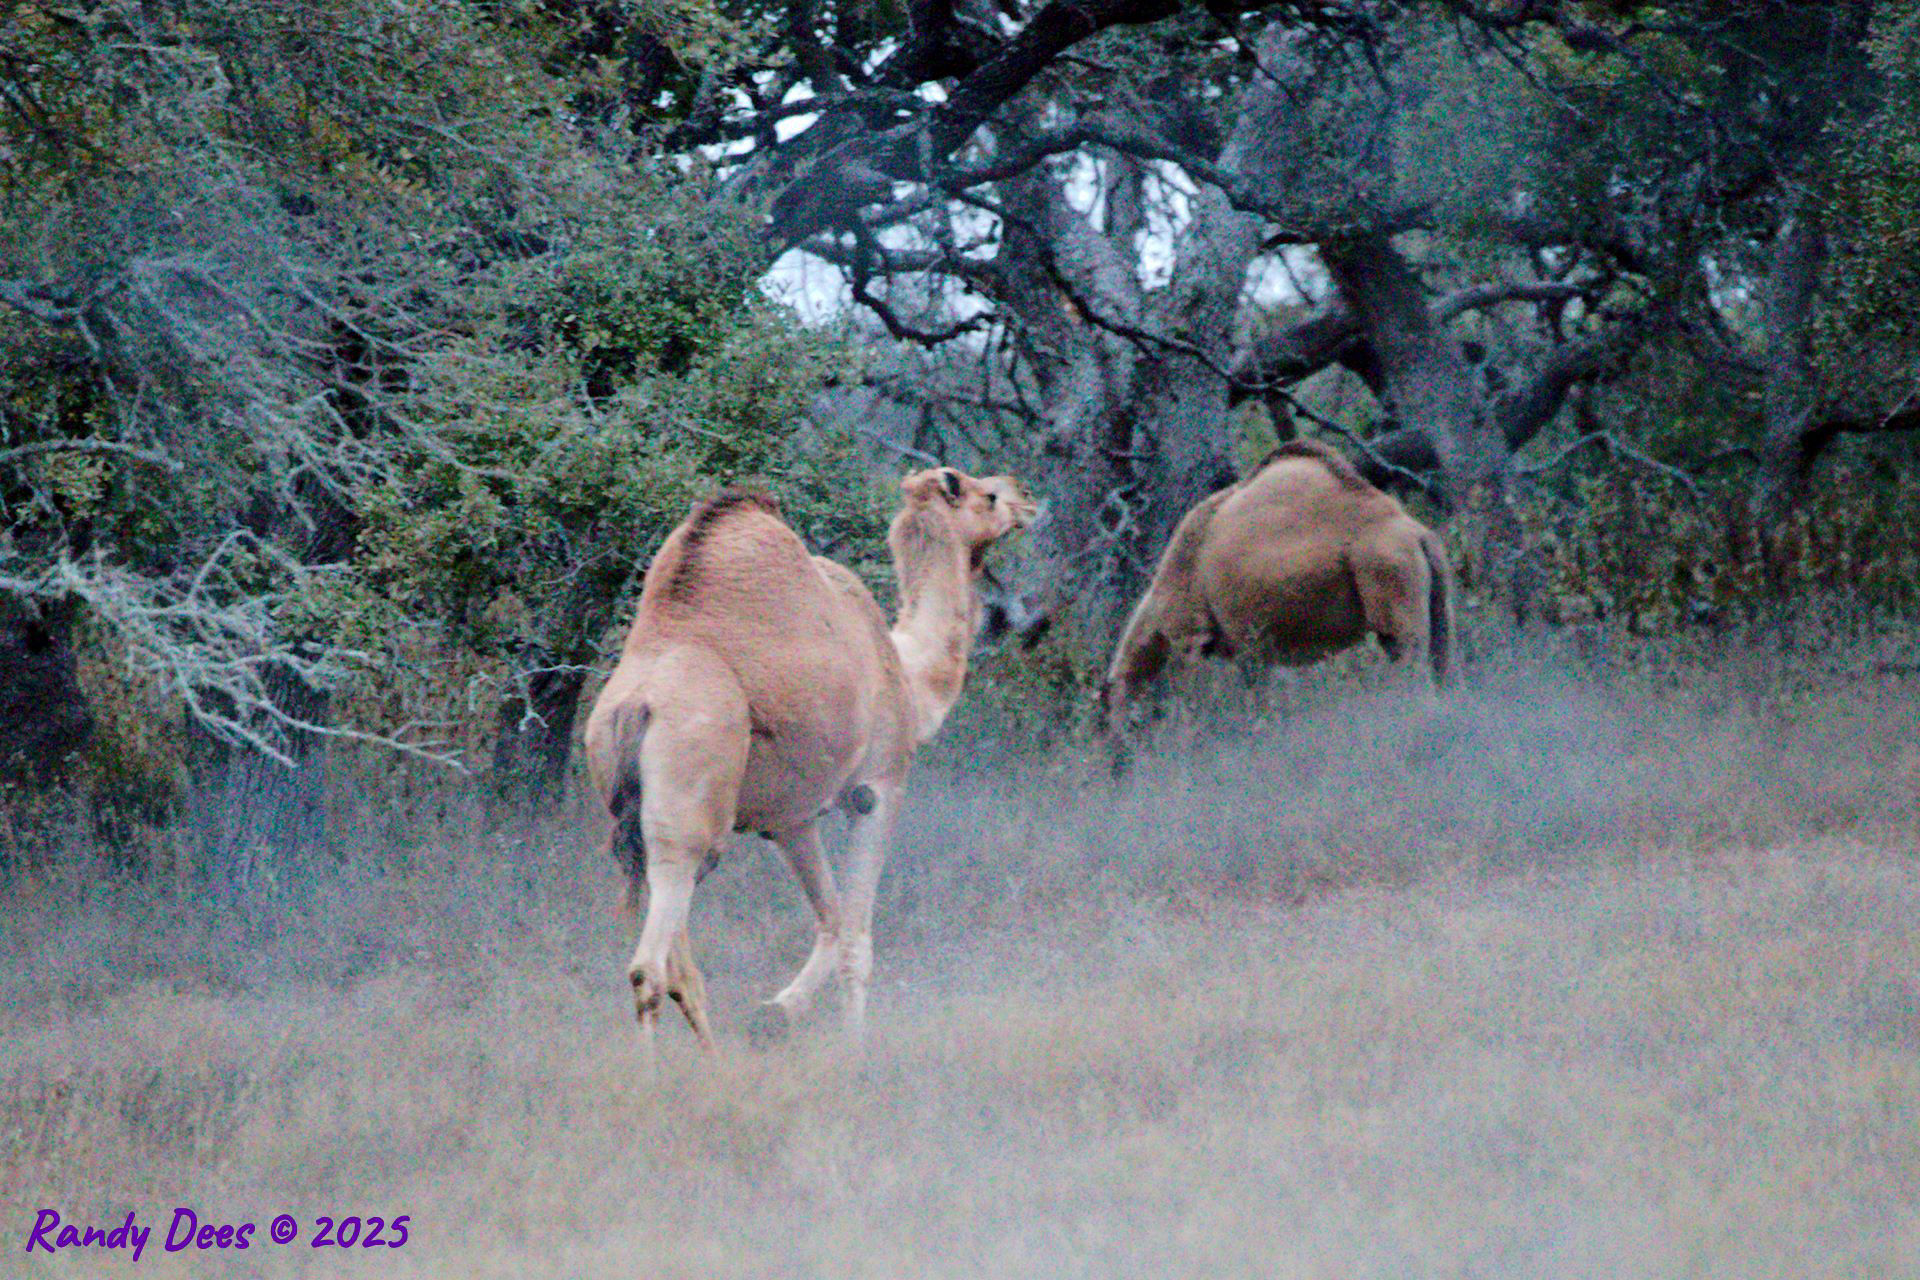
(1569,978)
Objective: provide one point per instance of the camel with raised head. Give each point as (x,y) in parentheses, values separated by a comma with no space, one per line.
(1296,562)
(760,688)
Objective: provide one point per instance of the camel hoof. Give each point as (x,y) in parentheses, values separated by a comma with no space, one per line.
(646,996)
(768,1024)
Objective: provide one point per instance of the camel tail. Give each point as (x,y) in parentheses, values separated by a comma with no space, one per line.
(1439,609)
(629,845)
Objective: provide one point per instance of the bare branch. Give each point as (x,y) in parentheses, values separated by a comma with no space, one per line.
(1619,449)
(213,643)
(42,303)
(904,450)
(1332,333)
(1479,297)
(149,457)
(906,330)
(1521,413)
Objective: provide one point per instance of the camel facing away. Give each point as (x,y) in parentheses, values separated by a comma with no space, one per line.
(760,688)
(1298,561)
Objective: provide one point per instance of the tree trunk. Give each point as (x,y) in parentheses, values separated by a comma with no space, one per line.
(1185,395)
(1181,414)
(262,824)
(1139,419)
(1085,376)
(535,738)
(1792,442)
(43,711)
(1430,388)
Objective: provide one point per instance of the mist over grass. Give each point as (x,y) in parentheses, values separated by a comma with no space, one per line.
(1310,781)
(1597,968)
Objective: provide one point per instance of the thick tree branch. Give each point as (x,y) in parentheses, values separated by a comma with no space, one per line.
(1523,412)
(855,168)
(43,302)
(1828,427)
(1332,333)
(1298,351)
(1054,29)
(940,46)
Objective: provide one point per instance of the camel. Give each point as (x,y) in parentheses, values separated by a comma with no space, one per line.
(760,688)
(1296,562)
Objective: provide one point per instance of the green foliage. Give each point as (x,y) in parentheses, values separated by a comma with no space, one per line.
(1023,703)
(1470,130)
(650,378)
(366,279)
(1866,340)
(1637,549)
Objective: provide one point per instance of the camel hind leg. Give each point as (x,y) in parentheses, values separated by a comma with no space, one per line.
(651,972)
(1394,583)
(691,763)
(689,989)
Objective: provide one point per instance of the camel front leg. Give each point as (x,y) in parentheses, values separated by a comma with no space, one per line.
(872,833)
(809,862)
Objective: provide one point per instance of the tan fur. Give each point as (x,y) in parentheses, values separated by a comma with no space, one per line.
(1300,560)
(760,687)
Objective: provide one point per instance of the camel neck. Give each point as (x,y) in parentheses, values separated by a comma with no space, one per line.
(934,628)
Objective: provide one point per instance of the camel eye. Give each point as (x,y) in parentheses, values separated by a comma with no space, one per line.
(992,498)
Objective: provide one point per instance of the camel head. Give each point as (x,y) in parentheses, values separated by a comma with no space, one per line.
(969,511)
(939,540)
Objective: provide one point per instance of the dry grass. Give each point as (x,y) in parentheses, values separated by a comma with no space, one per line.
(1572,979)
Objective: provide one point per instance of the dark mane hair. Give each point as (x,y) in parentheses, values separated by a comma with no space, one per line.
(1328,456)
(707,516)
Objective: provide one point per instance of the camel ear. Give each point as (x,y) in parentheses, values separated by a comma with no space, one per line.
(950,483)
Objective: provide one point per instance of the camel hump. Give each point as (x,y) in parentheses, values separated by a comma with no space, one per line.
(711,513)
(707,517)
(731,499)
(1326,455)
